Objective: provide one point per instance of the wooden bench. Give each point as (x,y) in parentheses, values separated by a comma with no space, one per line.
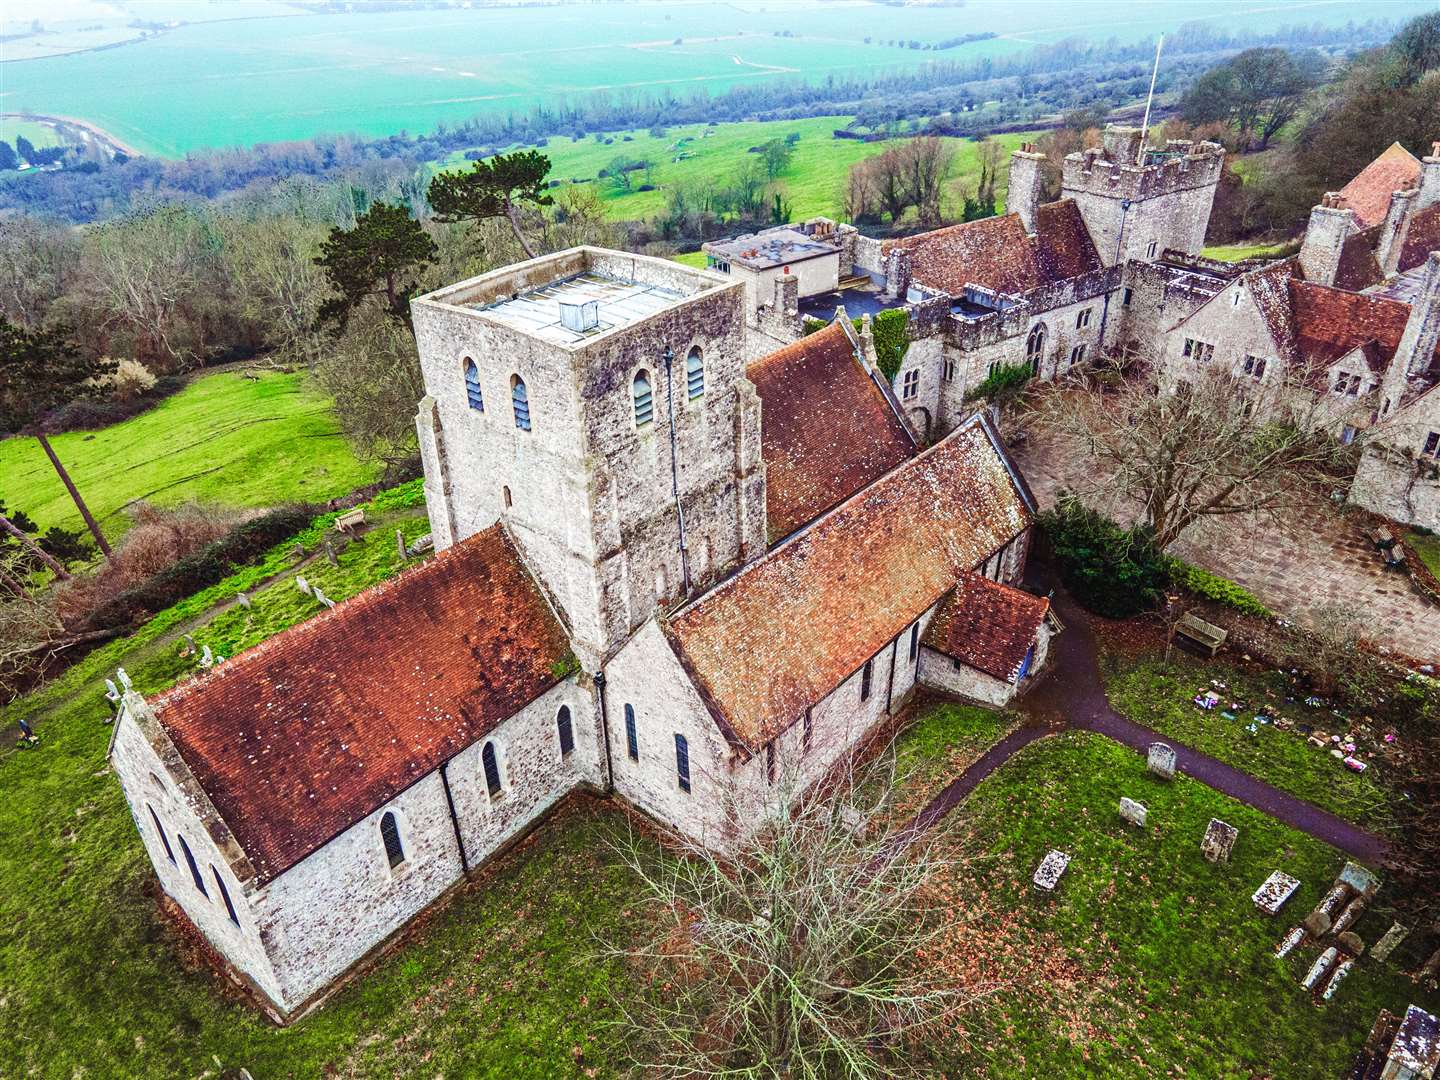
(1394,557)
(1383,537)
(350,520)
(1206,635)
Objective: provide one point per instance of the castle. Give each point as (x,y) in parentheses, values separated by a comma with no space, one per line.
(686,554)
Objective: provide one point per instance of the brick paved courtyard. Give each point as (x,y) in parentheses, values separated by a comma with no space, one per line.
(1317,559)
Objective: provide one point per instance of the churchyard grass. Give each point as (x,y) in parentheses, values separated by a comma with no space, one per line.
(943,740)
(1427,547)
(1159,695)
(224,438)
(1147,960)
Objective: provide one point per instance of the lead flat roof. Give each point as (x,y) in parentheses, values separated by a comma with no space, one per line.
(621,303)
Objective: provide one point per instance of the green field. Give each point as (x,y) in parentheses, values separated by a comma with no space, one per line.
(813,183)
(223,439)
(270,79)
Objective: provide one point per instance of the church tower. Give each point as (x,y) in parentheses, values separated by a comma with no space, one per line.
(1138,203)
(596,403)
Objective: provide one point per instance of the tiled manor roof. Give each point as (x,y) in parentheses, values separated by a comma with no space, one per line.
(784,632)
(827,429)
(987,626)
(996,252)
(302,736)
(1368,193)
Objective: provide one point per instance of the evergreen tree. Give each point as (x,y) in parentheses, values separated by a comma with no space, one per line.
(8,157)
(25,149)
(374,259)
(493,188)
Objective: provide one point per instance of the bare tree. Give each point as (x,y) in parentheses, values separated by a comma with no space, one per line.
(925,163)
(278,286)
(796,956)
(1220,445)
(884,175)
(29,627)
(857,197)
(373,373)
(38,260)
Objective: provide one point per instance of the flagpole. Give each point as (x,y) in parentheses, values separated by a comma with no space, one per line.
(1145,127)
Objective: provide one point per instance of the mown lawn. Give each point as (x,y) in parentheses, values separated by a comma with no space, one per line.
(942,742)
(1160,694)
(813,183)
(1148,961)
(1236,252)
(1427,547)
(223,439)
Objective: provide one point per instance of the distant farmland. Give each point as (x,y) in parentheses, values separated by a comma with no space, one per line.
(249,80)
(812,183)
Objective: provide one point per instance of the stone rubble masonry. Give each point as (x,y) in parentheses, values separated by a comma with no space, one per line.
(1331,224)
(585,494)
(1025,184)
(1129,207)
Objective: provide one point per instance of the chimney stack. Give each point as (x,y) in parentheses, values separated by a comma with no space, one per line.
(1422,330)
(1331,224)
(1026,182)
(1429,193)
(1392,232)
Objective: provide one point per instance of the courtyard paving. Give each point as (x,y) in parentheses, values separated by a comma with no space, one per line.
(1318,558)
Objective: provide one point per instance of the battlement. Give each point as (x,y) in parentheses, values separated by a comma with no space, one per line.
(1181,166)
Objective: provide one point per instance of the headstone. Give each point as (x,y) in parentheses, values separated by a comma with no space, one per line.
(112,692)
(425,543)
(1316,924)
(1132,812)
(1286,945)
(1161,760)
(302,584)
(330,553)
(299,551)
(207,658)
(400,545)
(1351,942)
(1359,878)
(1274,892)
(1348,917)
(243,599)
(1047,874)
(123,676)
(1335,899)
(1320,968)
(1389,942)
(1341,970)
(1218,841)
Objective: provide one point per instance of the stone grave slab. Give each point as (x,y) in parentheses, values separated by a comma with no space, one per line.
(1274,892)
(1133,811)
(1047,874)
(1359,878)
(1218,841)
(1389,942)
(1160,760)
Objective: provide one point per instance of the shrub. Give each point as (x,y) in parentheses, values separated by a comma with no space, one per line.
(1222,590)
(130,380)
(1111,571)
(1003,384)
(67,545)
(892,337)
(201,568)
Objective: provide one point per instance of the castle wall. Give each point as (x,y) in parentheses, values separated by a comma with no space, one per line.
(1233,325)
(1395,476)
(1159,297)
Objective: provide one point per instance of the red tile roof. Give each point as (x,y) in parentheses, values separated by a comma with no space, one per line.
(1331,322)
(306,734)
(1421,238)
(1358,268)
(987,625)
(826,429)
(779,636)
(996,252)
(1368,194)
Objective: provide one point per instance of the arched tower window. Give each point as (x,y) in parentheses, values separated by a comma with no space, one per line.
(695,373)
(1035,347)
(472,386)
(644,399)
(520,401)
(390,834)
(505,496)
(492,769)
(225,895)
(566,730)
(682,761)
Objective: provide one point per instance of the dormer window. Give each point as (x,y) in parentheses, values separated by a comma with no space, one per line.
(644,398)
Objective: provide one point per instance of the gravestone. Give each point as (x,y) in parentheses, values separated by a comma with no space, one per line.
(1161,760)
(1047,874)
(1389,942)
(1320,968)
(1132,812)
(243,599)
(302,584)
(123,676)
(1351,942)
(1218,841)
(1341,970)
(1316,924)
(1274,892)
(112,692)
(1287,944)
(1348,917)
(400,544)
(1360,879)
